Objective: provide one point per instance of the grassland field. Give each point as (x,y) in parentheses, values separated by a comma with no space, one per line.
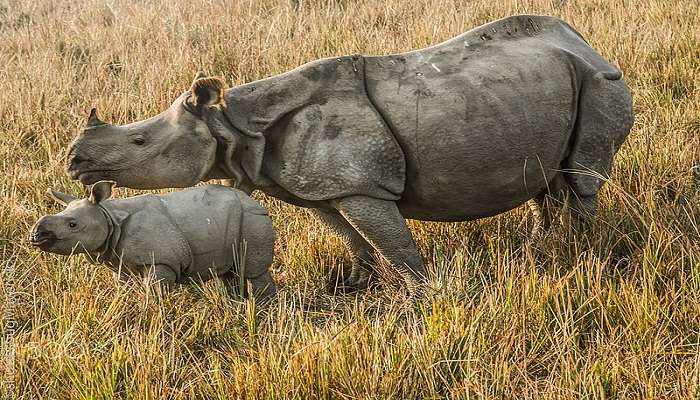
(612,312)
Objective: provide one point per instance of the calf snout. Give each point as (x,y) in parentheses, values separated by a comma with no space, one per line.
(41,234)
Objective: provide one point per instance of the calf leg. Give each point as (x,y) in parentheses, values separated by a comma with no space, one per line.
(381,224)
(259,238)
(262,286)
(161,274)
(360,250)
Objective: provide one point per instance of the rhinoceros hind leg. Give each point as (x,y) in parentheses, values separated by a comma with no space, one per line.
(582,208)
(546,205)
(561,196)
(360,251)
(383,226)
(604,120)
(235,286)
(263,286)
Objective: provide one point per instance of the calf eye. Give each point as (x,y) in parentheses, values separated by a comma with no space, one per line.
(139,141)
(72,224)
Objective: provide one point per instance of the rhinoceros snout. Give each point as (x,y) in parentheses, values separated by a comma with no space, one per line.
(41,235)
(75,163)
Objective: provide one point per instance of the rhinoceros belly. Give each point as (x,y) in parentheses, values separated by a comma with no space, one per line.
(482,130)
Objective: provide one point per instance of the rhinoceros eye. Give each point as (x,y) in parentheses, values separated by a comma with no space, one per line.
(72,224)
(139,141)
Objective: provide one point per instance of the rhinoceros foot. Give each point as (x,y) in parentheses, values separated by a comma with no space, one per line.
(360,279)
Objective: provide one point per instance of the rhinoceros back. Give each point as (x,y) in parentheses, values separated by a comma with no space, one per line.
(485,119)
(553,31)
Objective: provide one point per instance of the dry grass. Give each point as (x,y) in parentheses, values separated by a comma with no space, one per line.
(610,313)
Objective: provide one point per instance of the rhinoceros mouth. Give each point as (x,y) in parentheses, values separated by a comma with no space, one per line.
(43,243)
(42,240)
(91,176)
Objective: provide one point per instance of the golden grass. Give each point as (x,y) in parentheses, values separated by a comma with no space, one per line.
(610,313)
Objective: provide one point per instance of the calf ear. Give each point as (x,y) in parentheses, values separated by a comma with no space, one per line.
(60,197)
(207,91)
(101,191)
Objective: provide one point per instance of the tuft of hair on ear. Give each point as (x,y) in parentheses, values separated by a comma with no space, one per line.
(208,91)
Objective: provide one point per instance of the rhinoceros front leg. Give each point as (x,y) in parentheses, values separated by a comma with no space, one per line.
(360,251)
(382,225)
(160,274)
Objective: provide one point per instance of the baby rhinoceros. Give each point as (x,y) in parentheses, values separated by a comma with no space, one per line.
(174,237)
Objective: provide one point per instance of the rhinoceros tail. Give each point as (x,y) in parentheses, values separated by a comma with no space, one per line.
(568,39)
(612,75)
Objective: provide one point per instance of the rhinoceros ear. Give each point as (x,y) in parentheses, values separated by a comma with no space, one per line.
(207,91)
(101,191)
(60,197)
(199,75)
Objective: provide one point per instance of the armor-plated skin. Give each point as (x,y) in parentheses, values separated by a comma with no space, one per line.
(507,112)
(176,237)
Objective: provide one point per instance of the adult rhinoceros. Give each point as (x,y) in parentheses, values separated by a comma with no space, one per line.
(469,128)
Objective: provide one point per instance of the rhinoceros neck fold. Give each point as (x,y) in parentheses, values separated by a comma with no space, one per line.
(239,152)
(106,252)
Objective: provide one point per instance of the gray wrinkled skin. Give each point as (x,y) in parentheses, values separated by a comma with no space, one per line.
(510,111)
(174,238)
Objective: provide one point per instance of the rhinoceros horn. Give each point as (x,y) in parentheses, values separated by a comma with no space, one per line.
(93,120)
